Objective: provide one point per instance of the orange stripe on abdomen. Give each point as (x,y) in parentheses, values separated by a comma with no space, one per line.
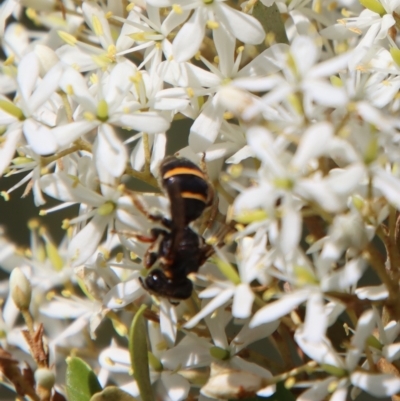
(194,195)
(183,171)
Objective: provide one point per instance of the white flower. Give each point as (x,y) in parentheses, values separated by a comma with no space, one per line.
(105,210)
(108,103)
(302,73)
(217,16)
(33,113)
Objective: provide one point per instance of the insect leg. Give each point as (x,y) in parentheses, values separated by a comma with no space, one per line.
(143,209)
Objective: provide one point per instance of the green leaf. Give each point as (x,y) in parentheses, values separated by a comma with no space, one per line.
(139,356)
(271,20)
(112,393)
(81,381)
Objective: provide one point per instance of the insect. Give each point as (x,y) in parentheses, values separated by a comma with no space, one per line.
(177,248)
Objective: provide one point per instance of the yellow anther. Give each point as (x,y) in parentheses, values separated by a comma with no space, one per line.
(228,115)
(190,92)
(9,60)
(97,27)
(212,24)
(130,7)
(89,116)
(94,78)
(67,38)
(5,195)
(70,90)
(177,9)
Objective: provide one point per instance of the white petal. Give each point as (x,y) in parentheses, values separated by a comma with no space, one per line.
(388,185)
(245,366)
(74,83)
(262,143)
(158,154)
(7,148)
(277,309)
(186,74)
(47,58)
(62,187)
(116,86)
(218,301)
(225,45)
(191,352)
(373,293)
(59,309)
(342,152)
(120,359)
(77,57)
(247,335)
(322,352)
(39,137)
(321,193)
(318,391)
(242,154)
(189,38)
(330,67)
(177,387)
(345,277)
(325,94)
(266,63)
(315,323)
(291,230)
(345,181)
(216,324)
(28,73)
(337,32)
(340,394)
(150,122)
(391,352)
(84,244)
(172,21)
(6,9)
(251,31)
(171,104)
(91,11)
(379,385)
(168,321)
(46,88)
(110,151)
(314,143)
(204,130)
(123,294)
(68,133)
(365,325)
(242,301)
(305,53)
(387,21)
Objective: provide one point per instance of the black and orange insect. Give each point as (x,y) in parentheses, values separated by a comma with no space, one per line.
(177,249)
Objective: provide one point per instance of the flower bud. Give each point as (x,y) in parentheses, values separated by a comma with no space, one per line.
(226,383)
(45,378)
(21,290)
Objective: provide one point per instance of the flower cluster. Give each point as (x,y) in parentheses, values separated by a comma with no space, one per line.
(293,109)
